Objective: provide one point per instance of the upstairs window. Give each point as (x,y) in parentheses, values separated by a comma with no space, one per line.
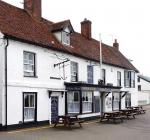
(65,38)
(90,74)
(104,76)
(29,64)
(118,78)
(129,77)
(138,79)
(74,72)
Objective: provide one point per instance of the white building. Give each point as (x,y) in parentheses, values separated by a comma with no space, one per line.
(47,69)
(143,86)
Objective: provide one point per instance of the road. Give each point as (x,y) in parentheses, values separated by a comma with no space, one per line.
(134,129)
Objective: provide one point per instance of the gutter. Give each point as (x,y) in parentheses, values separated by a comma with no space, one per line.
(7,43)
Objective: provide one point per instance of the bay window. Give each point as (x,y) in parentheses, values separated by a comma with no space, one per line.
(73,100)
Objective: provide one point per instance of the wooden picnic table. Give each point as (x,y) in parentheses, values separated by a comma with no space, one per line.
(112,115)
(126,113)
(68,120)
(138,109)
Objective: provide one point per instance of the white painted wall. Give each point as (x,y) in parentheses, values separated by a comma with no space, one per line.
(45,60)
(145,86)
(144,94)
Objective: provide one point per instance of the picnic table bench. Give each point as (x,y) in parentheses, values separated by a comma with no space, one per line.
(68,120)
(112,115)
(126,113)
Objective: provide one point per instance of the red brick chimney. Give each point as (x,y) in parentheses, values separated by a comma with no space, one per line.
(86,28)
(116,44)
(33,7)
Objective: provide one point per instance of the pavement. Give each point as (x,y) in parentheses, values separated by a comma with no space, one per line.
(138,129)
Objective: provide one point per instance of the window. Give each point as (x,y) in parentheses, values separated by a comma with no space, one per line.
(65,38)
(86,102)
(138,79)
(29,64)
(129,77)
(90,74)
(116,101)
(104,76)
(139,87)
(73,100)
(29,106)
(118,78)
(128,100)
(74,72)
(132,80)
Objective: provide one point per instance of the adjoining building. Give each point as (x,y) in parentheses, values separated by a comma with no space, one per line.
(48,69)
(143,86)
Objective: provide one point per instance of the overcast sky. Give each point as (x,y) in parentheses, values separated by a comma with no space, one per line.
(126,20)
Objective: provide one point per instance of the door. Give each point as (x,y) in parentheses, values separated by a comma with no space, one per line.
(54,108)
(97,104)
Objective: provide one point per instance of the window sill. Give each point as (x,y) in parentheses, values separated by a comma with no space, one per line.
(31,76)
(87,113)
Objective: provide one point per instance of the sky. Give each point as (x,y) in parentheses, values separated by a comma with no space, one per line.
(126,20)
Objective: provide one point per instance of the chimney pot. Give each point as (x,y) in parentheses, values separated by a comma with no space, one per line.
(86,28)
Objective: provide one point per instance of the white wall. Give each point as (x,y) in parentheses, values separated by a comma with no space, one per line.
(145,86)
(144,94)
(45,60)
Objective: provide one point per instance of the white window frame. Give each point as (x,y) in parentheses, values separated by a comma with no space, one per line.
(90,74)
(28,64)
(74,71)
(65,38)
(30,106)
(118,78)
(87,102)
(128,100)
(73,103)
(129,79)
(103,75)
(116,101)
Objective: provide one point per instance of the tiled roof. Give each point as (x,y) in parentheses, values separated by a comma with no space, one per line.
(61,25)
(17,23)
